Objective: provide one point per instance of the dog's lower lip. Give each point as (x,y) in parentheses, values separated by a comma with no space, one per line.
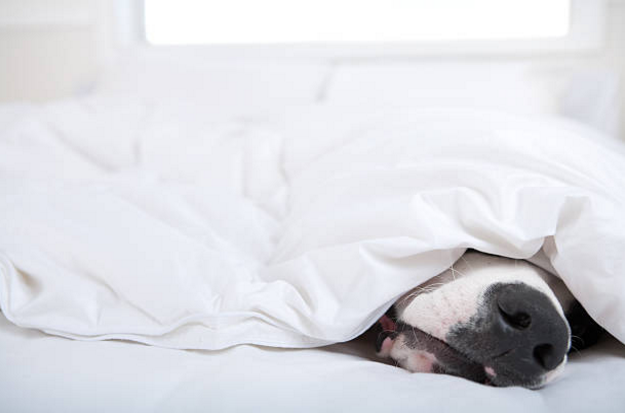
(446,345)
(450,360)
(502,354)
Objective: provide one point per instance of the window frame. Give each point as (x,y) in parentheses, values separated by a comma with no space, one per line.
(586,34)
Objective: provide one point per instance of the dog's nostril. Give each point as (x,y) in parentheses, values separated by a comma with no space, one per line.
(518,320)
(546,356)
(526,320)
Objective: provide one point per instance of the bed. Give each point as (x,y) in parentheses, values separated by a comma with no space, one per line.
(176,244)
(47,373)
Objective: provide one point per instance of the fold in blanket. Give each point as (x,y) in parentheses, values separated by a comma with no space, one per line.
(212,234)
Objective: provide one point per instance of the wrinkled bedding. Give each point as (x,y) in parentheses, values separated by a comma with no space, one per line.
(172,226)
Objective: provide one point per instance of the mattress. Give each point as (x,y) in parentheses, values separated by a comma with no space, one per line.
(53,374)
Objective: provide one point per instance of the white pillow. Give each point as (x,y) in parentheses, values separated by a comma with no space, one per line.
(244,84)
(509,86)
(593,96)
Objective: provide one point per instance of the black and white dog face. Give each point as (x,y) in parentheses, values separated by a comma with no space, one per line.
(489,319)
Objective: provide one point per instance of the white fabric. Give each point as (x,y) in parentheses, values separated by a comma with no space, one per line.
(206,234)
(516,86)
(45,373)
(589,94)
(594,97)
(236,84)
(232,85)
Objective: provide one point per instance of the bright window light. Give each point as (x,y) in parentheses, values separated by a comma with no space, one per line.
(351,21)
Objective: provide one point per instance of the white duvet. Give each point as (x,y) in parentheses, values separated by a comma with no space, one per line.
(174,226)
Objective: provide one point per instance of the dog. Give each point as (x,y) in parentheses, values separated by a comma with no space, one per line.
(489,319)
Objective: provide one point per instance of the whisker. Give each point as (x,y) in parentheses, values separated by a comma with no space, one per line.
(466,262)
(581,340)
(422,290)
(454,271)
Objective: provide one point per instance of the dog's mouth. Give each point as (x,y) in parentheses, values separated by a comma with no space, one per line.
(449,360)
(446,358)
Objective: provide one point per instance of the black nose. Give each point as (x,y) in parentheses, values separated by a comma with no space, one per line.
(527,324)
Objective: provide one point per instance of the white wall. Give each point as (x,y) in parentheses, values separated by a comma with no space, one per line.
(48,49)
(614,53)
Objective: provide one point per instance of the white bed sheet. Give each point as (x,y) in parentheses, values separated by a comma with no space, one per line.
(42,373)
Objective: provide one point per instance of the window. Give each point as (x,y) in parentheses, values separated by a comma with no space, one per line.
(169,22)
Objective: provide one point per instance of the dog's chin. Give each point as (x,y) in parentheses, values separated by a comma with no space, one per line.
(418,351)
(533,383)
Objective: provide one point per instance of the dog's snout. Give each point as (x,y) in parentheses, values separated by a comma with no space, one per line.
(527,323)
